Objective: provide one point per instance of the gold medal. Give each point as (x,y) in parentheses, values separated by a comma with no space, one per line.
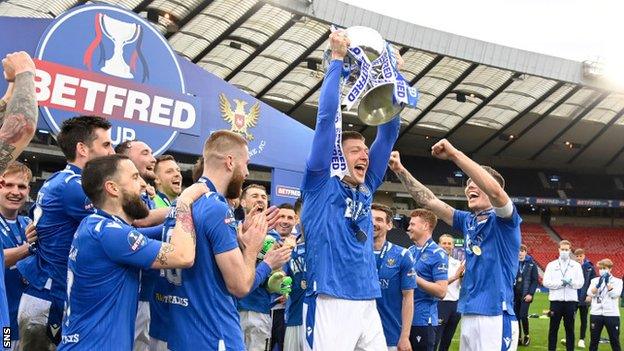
(520,280)
(476,250)
(304,285)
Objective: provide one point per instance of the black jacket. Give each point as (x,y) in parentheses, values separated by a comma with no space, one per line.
(589,272)
(526,278)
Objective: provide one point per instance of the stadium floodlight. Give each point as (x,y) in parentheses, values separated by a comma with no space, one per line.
(593,69)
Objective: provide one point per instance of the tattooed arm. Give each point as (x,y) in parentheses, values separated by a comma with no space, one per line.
(420,193)
(180,251)
(5,100)
(20,117)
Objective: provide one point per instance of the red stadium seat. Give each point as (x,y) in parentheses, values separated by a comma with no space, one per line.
(539,244)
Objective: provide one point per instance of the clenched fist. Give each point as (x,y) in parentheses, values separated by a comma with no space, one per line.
(16,63)
(444,150)
(395,162)
(339,43)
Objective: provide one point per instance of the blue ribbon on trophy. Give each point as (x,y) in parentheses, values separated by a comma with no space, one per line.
(377,84)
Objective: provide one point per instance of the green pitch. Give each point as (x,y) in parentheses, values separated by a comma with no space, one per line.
(539,329)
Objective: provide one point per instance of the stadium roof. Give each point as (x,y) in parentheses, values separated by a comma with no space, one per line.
(503,105)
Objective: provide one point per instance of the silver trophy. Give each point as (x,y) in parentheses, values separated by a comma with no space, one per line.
(376,91)
(121,34)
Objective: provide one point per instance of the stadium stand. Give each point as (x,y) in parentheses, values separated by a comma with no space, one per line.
(540,245)
(598,243)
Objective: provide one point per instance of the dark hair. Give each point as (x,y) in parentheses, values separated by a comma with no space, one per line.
(579,251)
(123,148)
(198,169)
(97,172)
(79,130)
(523,248)
(286,206)
(351,134)
(253,186)
(383,208)
(494,173)
(163,158)
(298,204)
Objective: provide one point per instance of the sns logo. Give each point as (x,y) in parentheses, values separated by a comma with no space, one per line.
(105,71)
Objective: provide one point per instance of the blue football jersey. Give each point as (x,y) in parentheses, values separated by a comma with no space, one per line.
(296,268)
(4,307)
(259,299)
(13,235)
(105,258)
(487,285)
(395,265)
(162,293)
(336,216)
(60,206)
(203,312)
(431,263)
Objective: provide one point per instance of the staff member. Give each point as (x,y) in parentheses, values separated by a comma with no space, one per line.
(448,317)
(604,292)
(524,289)
(563,277)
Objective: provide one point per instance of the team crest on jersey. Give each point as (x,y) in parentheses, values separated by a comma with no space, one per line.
(364,190)
(136,240)
(390,262)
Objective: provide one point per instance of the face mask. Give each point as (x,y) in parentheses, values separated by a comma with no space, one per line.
(604,271)
(564,255)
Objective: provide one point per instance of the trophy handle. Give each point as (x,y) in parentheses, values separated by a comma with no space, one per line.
(136,35)
(103,27)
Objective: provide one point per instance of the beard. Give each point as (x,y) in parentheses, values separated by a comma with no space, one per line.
(133,206)
(236,184)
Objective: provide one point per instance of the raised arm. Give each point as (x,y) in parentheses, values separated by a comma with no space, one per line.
(381,148)
(325,131)
(20,117)
(446,151)
(180,251)
(420,193)
(5,100)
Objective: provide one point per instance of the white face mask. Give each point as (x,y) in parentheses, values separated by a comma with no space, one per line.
(564,255)
(604,271)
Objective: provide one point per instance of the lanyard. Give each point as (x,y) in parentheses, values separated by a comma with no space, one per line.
(563,272)
(417,258)
(16,238)
(522,267)
(382,254)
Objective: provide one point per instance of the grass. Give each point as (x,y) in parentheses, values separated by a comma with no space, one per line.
(539,329)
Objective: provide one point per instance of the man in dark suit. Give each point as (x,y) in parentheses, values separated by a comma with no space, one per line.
(524,289)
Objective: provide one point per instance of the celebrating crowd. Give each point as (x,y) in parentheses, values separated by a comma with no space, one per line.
(115,255)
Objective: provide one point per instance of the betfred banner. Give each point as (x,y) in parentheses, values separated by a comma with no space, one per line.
(285,186)
(105,61)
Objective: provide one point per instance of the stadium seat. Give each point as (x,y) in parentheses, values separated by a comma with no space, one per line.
(598,243)
(540,245)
